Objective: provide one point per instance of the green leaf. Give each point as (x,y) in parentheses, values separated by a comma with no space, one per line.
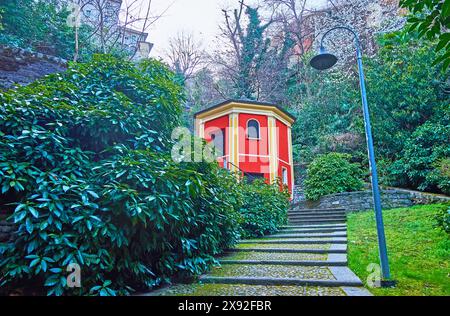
(44,265)
(29,225)
(33,211)
(93,194)
(446,9)
(34,262)
(442,43)
(19,207)
(51,281)
(19,216)
(446,64)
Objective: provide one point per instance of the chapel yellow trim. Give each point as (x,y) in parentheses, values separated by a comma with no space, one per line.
(236,106)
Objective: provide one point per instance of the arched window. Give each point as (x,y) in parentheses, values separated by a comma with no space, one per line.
(253,129)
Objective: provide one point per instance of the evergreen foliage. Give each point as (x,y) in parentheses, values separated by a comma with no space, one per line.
(332,173)
(264,210)
(85,170)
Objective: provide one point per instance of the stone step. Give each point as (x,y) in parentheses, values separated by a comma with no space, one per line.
(316,209)
(355,291)
(265,274)
(315,213)
(299,222)
(305,210)
(287,250)
(305,263)
(209,289)
(336,240)
(313,230)
(290,248)
(306,235)
(276,256)
(272,271)
(338,225)
(316,217)
(279,281)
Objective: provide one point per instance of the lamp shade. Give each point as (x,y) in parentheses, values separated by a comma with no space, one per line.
(323,60)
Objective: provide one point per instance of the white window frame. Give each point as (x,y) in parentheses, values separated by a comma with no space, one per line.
(259,129)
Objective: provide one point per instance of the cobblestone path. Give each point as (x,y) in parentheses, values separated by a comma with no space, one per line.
(307,257)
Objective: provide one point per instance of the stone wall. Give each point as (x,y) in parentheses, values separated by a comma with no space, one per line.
(20,66)
(363,200)
(299,194)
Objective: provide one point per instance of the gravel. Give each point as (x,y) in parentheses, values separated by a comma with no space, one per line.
(246,290)
(253,255)
(283,246)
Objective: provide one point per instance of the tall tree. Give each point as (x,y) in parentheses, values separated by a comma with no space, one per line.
(246,49)
(294,17)
(186,55)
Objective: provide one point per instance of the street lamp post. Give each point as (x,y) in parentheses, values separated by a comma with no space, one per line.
(325,60)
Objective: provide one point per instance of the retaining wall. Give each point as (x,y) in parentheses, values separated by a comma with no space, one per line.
(363,200)
(21,67)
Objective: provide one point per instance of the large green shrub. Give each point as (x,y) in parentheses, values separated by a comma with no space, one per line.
(424,159)
(403,62)
(332,173)
(265,208)
(85,172)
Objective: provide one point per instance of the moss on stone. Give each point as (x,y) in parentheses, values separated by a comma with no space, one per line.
(254,255)
(246,290)
(272,271)
(283,246)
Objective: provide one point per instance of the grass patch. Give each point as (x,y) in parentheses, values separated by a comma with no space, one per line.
(419,253)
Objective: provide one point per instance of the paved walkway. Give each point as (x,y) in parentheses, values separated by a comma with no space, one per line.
(307,257)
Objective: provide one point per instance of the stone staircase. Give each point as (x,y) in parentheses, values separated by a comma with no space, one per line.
(310,251)
(306,257)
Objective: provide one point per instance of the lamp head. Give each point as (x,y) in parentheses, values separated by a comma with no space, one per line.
(323,60)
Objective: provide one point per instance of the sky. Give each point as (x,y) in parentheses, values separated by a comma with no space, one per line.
(199,17)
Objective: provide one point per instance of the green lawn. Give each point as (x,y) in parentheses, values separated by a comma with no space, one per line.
(419,253)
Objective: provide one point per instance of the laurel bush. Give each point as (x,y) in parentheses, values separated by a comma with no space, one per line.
(265,208)
(86,175)
(332,173)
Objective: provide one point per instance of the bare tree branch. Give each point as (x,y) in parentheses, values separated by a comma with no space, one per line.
(186,55)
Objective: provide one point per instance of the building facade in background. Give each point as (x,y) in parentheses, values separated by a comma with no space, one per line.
(109,28)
